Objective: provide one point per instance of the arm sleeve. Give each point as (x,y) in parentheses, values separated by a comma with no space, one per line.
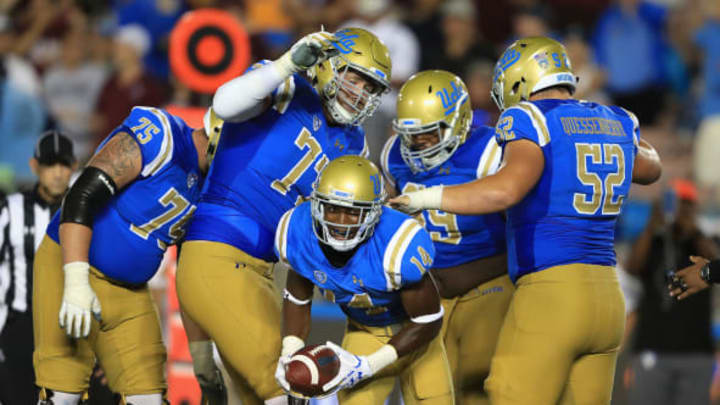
(243,97)
(281,237)
(522,121)
(418,257)
(408,255)
(385,161)
(152,130)
(490,159)
(634,124)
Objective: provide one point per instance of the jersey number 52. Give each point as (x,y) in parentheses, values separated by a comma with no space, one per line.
(603,192)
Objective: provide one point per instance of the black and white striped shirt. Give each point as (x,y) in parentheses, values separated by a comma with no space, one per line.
(23,220)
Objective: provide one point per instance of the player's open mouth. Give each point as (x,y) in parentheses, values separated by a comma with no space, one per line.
(340,233)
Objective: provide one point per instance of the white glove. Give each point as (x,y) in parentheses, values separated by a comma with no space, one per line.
(307,52)
(290,345)
(414,201)
(353,369)
(78,300)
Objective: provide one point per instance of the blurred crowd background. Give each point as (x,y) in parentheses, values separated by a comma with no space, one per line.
(80,65)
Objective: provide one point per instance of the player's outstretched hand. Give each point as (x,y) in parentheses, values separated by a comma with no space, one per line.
(79,300)
(309,51)
(687,281)
(353,369)
(402,204)
(413,202)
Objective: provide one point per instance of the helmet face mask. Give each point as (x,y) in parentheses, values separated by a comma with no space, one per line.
(437,102)
(346,101)
(342,236)
(349,187)
(530,65)
(360,53)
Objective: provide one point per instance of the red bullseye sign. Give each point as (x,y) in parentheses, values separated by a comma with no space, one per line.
(207,48)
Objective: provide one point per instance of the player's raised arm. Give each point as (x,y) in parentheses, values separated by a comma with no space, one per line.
(247,96)
(117,164)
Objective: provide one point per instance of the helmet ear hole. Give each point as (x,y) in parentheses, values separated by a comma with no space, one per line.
(515,87)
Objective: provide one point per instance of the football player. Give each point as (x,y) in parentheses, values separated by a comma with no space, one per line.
(435,144)
(131,201)
(284,127)
(568,166)
(372,261)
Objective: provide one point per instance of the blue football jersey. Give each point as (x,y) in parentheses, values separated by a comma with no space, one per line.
(458,238)
(367,288)
(569,216)
(266,165)
(131,233)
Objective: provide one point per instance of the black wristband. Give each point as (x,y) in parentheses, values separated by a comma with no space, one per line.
(714,273)
(91,192)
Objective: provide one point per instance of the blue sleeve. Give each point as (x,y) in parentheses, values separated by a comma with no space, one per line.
(522,121)
(389,158)
(153,133)
(282,235)
(635,123)
(418,257)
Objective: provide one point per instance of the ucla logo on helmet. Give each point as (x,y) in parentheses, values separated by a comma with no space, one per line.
(506,60)
(449,100)
(345,41)
(377,186)
(542,60)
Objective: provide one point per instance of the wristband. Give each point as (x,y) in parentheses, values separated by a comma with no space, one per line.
(297,301)
(382,358)
(713,272)
(426,199)
(76,273)
(291,344)
(429,318)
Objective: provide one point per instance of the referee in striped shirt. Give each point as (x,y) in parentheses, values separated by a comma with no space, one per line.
(23,219)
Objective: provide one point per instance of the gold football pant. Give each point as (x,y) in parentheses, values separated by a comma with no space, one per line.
(470,331)
(231,295)
(424,375)
(560,338)
(128,341)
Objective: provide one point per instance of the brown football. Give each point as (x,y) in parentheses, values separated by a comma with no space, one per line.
(310,368)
